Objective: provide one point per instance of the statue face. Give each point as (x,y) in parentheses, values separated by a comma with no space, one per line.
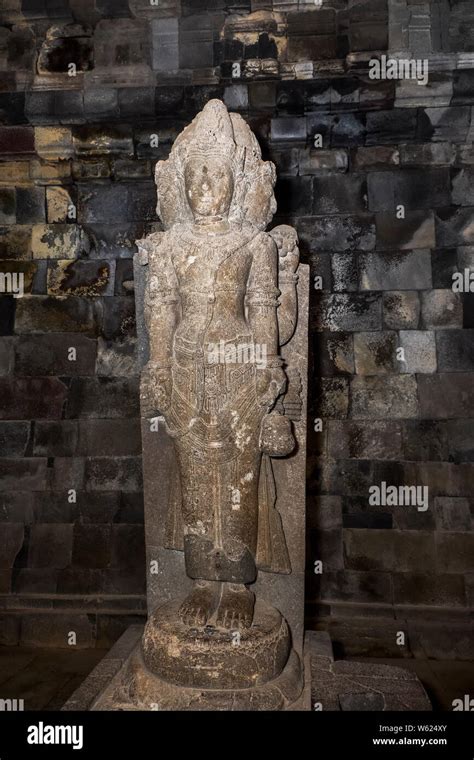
(209,186)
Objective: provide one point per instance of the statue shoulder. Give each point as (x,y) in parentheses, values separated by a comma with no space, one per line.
(263,245)
(149,247)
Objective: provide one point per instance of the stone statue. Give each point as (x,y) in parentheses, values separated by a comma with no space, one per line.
(220,302)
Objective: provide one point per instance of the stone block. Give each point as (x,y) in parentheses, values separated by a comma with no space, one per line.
(288,129)
(294,195)
(375,353)
(339,194)
(32,580)
(11,542)
(91,141)
(7,356)
(419,351)
(16,141)
(425,440)
(423,589)
(14,437)
(55,438)
(384,397)
(441,309)
(44,314)
(30,205)
(50,545)
(347,585)
(375,157)
(118,318)
(334,353)
(446,396)
(53,143)
(15,242)
(47,630)
(128,547)
(445,123)
(348,312)
(108,438)
(165,44)
(92,546)
(317,161)
(348,439)
(326,546)
(455,349)
(80,278)
(452,514)
(103,397)
(116,203)
(416,230)
(101,103)
(463,186)
(454,226)
(461,445)
(14,172)
(49,173)
(412,188)
(393,550)
(25,398)
(66,472)
(430,154)
(401,309)
(394,126)
(443,266)
(337,233)
(7,206)
(113,473)
(58,205)
(55,354)
(333,397)
(401,270)
(454,552)
(58,241)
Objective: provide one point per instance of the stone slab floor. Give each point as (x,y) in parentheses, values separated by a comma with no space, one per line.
(45,678)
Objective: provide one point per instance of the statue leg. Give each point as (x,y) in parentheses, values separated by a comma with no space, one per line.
(220,515)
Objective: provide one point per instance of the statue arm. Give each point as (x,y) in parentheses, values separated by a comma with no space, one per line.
(161,317)
(262,302)
(286,241)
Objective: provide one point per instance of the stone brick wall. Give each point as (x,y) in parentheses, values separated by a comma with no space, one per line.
(92,93)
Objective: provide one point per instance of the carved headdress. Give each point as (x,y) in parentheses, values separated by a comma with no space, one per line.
(215,132)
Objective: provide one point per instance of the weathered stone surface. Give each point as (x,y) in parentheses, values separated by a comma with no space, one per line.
(53,143)
(117,473)
(455,350)
(380,397)
(102,398)
(27,398)
(37,314)
(55,354)
(454,552)
(415,230)
(351,439)
(375,353)
(419,351)
(401,309)
(50,545)
(395,271)
(400,551)
(452,514)
(80,278)
(11,541)
(447,395)
(441,309)
(348,312)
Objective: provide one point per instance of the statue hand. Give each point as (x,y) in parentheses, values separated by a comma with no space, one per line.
(155,389)
(271,383)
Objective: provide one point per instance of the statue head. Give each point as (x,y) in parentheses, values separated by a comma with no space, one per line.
(215,171)
(209,186)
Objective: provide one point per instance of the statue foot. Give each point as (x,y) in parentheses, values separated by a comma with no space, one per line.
(235,608)
(200,604)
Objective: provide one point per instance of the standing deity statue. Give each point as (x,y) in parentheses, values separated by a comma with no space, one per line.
(220,301)
(214,371)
